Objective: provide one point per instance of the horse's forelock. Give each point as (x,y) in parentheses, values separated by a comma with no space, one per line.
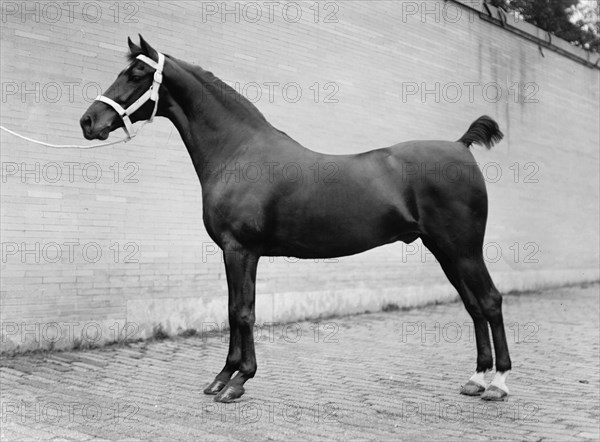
(132,55)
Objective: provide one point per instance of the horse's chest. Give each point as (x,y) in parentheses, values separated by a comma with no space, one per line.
(233,216)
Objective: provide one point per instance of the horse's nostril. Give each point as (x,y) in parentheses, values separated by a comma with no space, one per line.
(86,123)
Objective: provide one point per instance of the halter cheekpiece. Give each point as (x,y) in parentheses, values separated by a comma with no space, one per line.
(150,94)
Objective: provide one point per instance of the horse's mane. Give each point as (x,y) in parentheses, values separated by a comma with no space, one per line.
(222,91)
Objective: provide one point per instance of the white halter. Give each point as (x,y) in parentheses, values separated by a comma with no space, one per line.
(150,94)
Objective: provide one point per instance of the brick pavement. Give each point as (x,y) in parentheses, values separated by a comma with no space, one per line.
(376,376)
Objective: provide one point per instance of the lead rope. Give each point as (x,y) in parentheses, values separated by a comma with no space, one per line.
(151,94)
(63,146)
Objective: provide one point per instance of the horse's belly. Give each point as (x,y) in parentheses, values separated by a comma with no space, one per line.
(336,235)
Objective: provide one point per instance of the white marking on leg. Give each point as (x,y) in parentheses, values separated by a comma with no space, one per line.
(500,380)
(479,378)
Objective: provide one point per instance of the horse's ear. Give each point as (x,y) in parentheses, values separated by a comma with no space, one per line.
(147,49)
(133,48)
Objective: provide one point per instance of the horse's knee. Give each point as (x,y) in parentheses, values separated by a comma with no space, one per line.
(492,305)
(243,317)
(473,308)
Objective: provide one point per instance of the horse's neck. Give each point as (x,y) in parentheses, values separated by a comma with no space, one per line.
(212,127)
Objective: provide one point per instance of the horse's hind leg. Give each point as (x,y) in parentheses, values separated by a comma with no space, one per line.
(469,275)
(476,385)
(490,300)
(480,283)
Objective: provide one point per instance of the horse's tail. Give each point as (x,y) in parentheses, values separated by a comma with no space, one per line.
(484,131)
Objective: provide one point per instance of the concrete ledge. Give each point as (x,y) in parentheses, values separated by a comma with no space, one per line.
(148,318)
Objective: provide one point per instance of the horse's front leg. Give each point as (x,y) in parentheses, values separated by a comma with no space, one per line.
(240,266)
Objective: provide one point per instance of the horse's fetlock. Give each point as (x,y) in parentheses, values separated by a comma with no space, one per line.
(249,370)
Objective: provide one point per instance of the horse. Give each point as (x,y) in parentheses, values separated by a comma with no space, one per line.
(374,198)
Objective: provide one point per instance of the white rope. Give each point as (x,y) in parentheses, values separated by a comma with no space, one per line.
(64,146)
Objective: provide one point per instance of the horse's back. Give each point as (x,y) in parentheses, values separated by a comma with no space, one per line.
(432,151)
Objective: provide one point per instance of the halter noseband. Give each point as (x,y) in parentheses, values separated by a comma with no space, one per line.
(150,94)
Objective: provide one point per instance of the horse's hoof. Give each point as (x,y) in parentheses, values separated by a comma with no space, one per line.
(472,389)
(215,386)
(493,393)
(230,393)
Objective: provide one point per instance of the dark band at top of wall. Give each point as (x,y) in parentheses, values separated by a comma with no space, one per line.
(543,39)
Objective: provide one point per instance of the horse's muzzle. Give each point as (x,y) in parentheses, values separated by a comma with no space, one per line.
(89,131)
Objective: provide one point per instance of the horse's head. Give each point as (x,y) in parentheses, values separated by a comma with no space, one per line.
(118,107)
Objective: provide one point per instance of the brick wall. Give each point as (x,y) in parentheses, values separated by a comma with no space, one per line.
(108,243)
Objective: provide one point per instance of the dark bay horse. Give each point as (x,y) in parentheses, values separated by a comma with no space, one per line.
(431,190)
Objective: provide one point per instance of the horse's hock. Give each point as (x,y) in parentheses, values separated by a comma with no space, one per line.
(108,244)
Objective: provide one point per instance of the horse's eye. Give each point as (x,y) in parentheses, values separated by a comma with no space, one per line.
(136,78)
